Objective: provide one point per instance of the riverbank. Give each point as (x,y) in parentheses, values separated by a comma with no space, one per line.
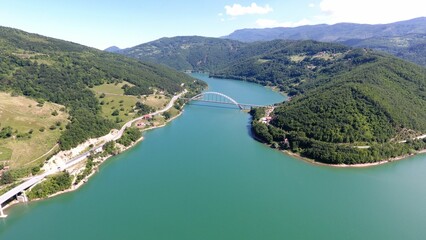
(359,165)
(99,161)
(74,160)
(260,123)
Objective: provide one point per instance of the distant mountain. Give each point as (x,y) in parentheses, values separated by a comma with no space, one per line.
(332,33)
(186,53)
(112,49)
(402,39)
(411,47)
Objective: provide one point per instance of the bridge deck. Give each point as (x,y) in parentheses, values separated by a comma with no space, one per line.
(217,97)
(230,103)
(21,187)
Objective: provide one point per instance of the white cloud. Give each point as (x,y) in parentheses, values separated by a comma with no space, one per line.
(311,5)
(270,23)
(371,11)
(238,10)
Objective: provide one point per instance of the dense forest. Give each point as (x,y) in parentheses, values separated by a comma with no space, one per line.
(373,104)
(410,47)
(186,53)
(347,105)
(53,70)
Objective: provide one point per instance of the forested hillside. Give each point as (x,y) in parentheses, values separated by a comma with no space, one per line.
(53,70)
(288,64)
(375,104)
(341,98)
(411,47)
(405,39)
(186,53)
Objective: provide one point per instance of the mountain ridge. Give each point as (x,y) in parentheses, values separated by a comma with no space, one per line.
(416,25)
(404,39)
(112,49)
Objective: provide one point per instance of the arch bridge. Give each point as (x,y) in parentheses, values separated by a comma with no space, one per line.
(217,97)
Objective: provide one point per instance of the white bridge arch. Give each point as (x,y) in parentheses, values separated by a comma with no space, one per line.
(216,97)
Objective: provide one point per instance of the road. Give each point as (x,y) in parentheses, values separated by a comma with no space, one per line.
(73,161)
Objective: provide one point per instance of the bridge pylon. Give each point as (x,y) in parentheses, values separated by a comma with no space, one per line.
(2,215)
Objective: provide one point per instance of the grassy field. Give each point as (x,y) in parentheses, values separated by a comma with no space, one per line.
(111,88)
(112,98)
(297,58)
(5,153)
(156,101)
(173,112)
(34,123)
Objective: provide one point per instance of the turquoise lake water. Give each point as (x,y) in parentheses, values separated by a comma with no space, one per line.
(203,177)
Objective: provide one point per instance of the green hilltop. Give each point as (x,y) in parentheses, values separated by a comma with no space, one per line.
(186,53)
(63,72)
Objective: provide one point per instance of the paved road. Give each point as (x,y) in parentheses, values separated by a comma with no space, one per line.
(34,180)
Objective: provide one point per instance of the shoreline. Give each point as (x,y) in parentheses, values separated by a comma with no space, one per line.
(358,165)
(96,168)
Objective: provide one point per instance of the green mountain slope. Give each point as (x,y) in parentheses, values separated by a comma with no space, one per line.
(62,72)
(411,47)
(374,104)
(286,64)
(342,97)
(186,53)
(405,39)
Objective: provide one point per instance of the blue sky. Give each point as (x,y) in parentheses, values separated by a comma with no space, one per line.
(126,23)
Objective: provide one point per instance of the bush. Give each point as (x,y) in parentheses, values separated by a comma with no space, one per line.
(115,113)
(54,184)
(6,132)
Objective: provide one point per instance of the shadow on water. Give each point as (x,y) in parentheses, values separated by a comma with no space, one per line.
(249,130)
(232,107)
(248,124)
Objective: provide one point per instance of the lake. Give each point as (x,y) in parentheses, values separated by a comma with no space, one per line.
(204,177)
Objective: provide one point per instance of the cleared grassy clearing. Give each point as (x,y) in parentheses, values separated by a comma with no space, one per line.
(157,101)
(119,107)
(297,58)
(111,88)
(173,112)
(5,153)
(263,61)
(124,105)
(24,116)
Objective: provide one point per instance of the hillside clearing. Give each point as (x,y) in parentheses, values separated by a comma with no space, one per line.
(119,107)
(24,116)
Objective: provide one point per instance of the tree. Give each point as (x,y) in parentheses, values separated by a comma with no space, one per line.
(115,113)
(7,178)
(6,132)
